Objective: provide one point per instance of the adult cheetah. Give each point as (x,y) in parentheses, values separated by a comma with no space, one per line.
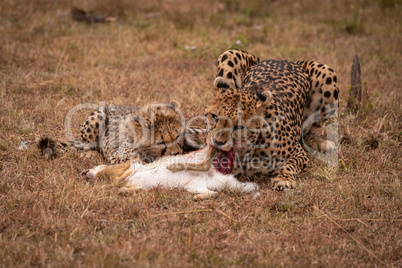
(256,117)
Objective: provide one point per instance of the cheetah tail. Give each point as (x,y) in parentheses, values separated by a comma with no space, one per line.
(50,147)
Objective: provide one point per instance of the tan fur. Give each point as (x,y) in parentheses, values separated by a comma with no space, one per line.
(131,133)
(116,174)
(282,95)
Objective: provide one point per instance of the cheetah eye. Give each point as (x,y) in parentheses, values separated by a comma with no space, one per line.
(161,144)
(215,117)
(238,127)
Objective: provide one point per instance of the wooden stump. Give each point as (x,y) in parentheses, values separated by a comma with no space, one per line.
(355,93)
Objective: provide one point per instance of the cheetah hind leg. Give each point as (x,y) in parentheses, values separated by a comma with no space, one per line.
(322,105)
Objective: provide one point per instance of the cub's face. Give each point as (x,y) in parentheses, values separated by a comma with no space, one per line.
(231,114)
(158,132)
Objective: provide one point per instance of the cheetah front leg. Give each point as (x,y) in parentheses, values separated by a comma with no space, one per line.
(284,177)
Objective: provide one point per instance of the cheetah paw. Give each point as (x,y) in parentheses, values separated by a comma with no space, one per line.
(280,184)
(327,146)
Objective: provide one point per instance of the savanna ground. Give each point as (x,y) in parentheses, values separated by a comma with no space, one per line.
(345,216)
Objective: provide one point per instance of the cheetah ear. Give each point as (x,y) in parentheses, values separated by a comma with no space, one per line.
(141,131)
(139,120)
(173,104)
(223,84)
(136,119)
(263,98)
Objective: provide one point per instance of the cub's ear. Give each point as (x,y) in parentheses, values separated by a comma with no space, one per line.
(173,104)
(263,98)
(136,119)
(141,131)
(139,120)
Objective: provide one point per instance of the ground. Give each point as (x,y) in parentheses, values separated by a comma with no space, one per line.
(344,216)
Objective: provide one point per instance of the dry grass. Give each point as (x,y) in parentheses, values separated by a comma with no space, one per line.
(349,216)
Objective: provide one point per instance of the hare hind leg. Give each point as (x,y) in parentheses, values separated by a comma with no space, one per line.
(116,174)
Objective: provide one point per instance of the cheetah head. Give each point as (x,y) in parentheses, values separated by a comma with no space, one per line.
(232,115)
(158,131)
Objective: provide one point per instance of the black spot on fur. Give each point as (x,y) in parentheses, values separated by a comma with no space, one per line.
(336,94)
(328,81)
(224,58)
(327,94)
(262,97)
(220,73)
(222,84)
(230,63)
